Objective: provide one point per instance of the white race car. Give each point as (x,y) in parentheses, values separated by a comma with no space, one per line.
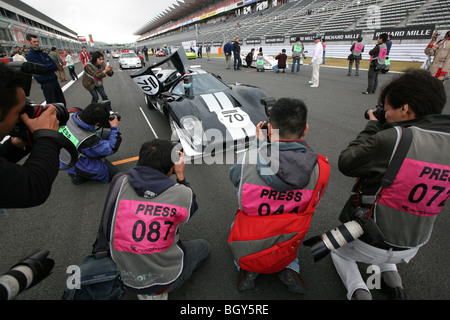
(269,62)
(129,60)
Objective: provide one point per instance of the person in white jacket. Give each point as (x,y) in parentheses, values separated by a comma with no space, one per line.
(316,61)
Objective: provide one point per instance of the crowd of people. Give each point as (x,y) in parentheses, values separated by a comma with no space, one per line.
(378,55)
(274,206)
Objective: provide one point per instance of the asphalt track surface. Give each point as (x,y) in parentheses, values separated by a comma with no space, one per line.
(67,223)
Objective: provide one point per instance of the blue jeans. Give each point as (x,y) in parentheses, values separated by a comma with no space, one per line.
(94,93)
(196,253)
(294,60)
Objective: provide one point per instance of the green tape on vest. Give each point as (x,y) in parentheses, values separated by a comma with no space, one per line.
(69,135)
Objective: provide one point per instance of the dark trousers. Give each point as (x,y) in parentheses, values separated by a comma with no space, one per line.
(94,93)
(237,61)
(53,93)
(72,73)
(372,80)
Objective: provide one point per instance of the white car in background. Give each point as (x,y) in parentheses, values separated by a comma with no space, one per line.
(269,62)
(129,60)
(115,54)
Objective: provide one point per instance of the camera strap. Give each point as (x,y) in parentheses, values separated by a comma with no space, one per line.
(101,246)
(63,142)
(397,159)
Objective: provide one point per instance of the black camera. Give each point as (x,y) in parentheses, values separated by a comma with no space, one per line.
(25,274)
(322,245)
(378,112)
(113,114)
(33,111)
(268,103)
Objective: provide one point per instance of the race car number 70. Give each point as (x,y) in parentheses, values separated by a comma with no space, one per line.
(148,84)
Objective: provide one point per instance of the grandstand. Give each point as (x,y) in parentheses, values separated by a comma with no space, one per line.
(284,19)
(17,19)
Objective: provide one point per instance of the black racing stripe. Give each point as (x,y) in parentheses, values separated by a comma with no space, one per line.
(218,101)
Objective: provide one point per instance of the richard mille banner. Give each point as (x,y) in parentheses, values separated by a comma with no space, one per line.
(407,33)
(329,36)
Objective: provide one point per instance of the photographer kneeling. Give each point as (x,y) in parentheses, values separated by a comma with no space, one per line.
(406,210)
(93,148)
(27,185)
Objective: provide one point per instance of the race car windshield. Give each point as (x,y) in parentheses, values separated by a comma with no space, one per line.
(198,84)
(129,55)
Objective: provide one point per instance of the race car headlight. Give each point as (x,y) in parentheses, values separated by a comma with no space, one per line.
(193,128)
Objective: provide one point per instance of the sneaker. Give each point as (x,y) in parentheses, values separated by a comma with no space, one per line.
(76,180)
(314,86)
(292,279)
(361,294)
(365,92)
(310,82)
(162,296)
(246,280)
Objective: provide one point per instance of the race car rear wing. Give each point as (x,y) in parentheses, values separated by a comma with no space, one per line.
(149,82)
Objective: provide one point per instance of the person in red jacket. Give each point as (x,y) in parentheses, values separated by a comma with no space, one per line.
(85,57)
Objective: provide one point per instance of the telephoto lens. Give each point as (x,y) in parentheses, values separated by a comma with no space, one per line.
(25,274)
(331,240)
(345,233)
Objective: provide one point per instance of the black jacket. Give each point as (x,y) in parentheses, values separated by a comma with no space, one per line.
(30,184)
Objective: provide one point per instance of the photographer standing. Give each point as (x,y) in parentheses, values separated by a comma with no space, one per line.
(441,52)
(377,62)
(92,147)
(94,73)
(27,185)
(406,210)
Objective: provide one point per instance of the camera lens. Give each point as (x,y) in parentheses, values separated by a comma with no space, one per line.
(322,245)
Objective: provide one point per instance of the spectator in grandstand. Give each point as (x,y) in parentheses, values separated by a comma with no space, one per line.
(249,58)
(441,52)
(85,57)
(282,58)
(70,65)
(236,48)
(297,51)
(49,82)
(356,54)
(60,72)
(316,61)
(227,50)
(377,63)
(94,72)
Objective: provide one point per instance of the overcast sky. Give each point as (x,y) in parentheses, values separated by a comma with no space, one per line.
(111,21)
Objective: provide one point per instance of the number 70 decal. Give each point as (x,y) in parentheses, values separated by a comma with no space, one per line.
(149,84)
